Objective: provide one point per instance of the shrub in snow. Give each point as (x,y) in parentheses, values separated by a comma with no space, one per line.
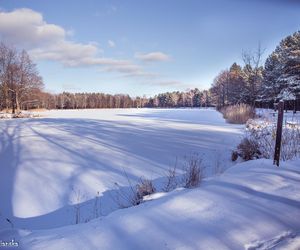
(145,187)
(133,195)
(194,171)
(234,155)
(76,199)
(171,178)
(248,149)
(259,141)
(238,114)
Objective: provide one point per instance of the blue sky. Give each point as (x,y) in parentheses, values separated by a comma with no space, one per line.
(142,47)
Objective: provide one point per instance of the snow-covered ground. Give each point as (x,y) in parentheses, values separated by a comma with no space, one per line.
(70,164)
(50,164)
(271,115)
(253,205)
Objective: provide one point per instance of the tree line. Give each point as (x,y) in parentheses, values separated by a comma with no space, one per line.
(21,86)
(66,100)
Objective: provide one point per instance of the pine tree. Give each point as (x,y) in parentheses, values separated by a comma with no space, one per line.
(271,87)
(282,70)
(291,63)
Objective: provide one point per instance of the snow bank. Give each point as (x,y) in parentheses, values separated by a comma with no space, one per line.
(253,205)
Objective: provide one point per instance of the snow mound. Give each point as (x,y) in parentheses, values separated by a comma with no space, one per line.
(249,206)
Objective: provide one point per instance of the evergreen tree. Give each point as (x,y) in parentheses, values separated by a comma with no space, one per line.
(282,70)
(271,86)
(197,98)
(290,77)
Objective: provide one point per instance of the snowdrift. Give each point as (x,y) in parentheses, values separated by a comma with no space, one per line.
(253,205)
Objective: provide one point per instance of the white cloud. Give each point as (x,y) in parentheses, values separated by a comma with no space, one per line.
(111,44)
(69,53)
(125,68)
(152,57)
(130,70)
(27,29)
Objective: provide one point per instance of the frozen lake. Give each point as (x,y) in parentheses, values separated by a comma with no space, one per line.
(44,160)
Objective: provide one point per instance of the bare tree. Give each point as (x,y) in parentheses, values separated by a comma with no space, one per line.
(19,78)
(7,65)
(253,72)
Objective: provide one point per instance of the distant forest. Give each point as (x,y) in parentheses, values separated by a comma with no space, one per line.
(256,83)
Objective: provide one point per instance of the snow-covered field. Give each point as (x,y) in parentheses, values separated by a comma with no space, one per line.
(48,164)
(73,161)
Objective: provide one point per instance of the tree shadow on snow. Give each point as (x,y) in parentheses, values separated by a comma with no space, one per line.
(98,150)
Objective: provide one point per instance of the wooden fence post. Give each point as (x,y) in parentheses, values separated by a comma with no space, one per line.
(278,133)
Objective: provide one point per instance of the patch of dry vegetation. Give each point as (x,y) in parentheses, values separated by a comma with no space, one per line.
(238,114)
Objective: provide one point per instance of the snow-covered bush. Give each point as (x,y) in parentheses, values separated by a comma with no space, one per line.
(238,114)
(259,141)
